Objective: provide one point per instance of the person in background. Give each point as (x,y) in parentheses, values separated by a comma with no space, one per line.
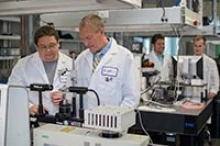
(162,62)
(210,70)
(46,66)
(106,67)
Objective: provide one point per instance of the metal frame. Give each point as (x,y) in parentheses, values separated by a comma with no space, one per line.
(137,20)
(49,6)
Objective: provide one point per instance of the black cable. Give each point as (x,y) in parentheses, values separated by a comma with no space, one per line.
(97,96)
(164,11)
(163,17)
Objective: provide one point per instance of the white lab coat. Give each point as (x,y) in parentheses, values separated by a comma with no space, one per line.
(210,74)
(113,79)
(30,69)
(166,70)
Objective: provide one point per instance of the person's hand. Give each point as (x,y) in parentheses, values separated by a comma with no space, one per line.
(211,95)
(56,97)
(33,110)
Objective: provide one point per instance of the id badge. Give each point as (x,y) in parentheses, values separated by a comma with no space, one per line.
(63,75)
(63,78)
(109,71)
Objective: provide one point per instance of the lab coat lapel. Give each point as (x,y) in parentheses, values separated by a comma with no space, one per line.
(40,67)
(89,59)
(60,65)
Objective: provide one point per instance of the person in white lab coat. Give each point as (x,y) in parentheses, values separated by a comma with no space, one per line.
(162,62)
(113,78)
(210,70)
(47,65)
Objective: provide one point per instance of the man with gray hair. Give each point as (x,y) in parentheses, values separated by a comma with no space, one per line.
(106,67)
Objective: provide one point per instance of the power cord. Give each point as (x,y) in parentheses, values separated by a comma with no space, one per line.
(142,126)
(176,31)
(163,17)
(97,96)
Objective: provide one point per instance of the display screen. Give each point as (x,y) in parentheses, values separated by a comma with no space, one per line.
(137,47)
(190,67)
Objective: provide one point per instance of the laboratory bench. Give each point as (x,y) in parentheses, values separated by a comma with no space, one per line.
(181,126)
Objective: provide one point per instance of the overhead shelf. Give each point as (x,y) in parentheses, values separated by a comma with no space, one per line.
(137,20)
(70,41)
(10,19)
(8,57)
(215,42)
(10,37)
(50,6)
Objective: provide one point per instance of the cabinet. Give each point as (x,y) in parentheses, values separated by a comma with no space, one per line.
(70,42)
(9,45)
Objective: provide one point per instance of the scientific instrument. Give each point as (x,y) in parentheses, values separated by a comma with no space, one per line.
(14,123)
(110,119)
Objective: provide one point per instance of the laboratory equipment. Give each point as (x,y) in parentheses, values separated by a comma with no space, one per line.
(40,88)
(72,115)
(137,47)
(174,119)
(190,78)
(14,126)
(105,118)
(181,18)
(110,119)
(147,69)
(190,69)
(41,115)
(3,114)
(68,110)
(188,83)
(158,90)
(65,113)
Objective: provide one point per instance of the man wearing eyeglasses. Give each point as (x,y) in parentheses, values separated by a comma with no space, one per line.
(46,66)
(106,67)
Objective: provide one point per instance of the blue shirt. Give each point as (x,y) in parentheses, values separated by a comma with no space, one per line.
(104,50)
(160,58)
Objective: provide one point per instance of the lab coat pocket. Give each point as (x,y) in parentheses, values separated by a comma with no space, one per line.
(108,88)
(108,85)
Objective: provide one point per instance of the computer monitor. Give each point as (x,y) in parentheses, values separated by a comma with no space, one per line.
(137,47)
(14,116)
(190,67)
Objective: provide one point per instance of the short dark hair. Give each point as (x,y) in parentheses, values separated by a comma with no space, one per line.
(45,30)
(199,37)
(157,37)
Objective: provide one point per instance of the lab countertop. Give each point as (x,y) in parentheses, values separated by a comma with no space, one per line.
(173,109)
